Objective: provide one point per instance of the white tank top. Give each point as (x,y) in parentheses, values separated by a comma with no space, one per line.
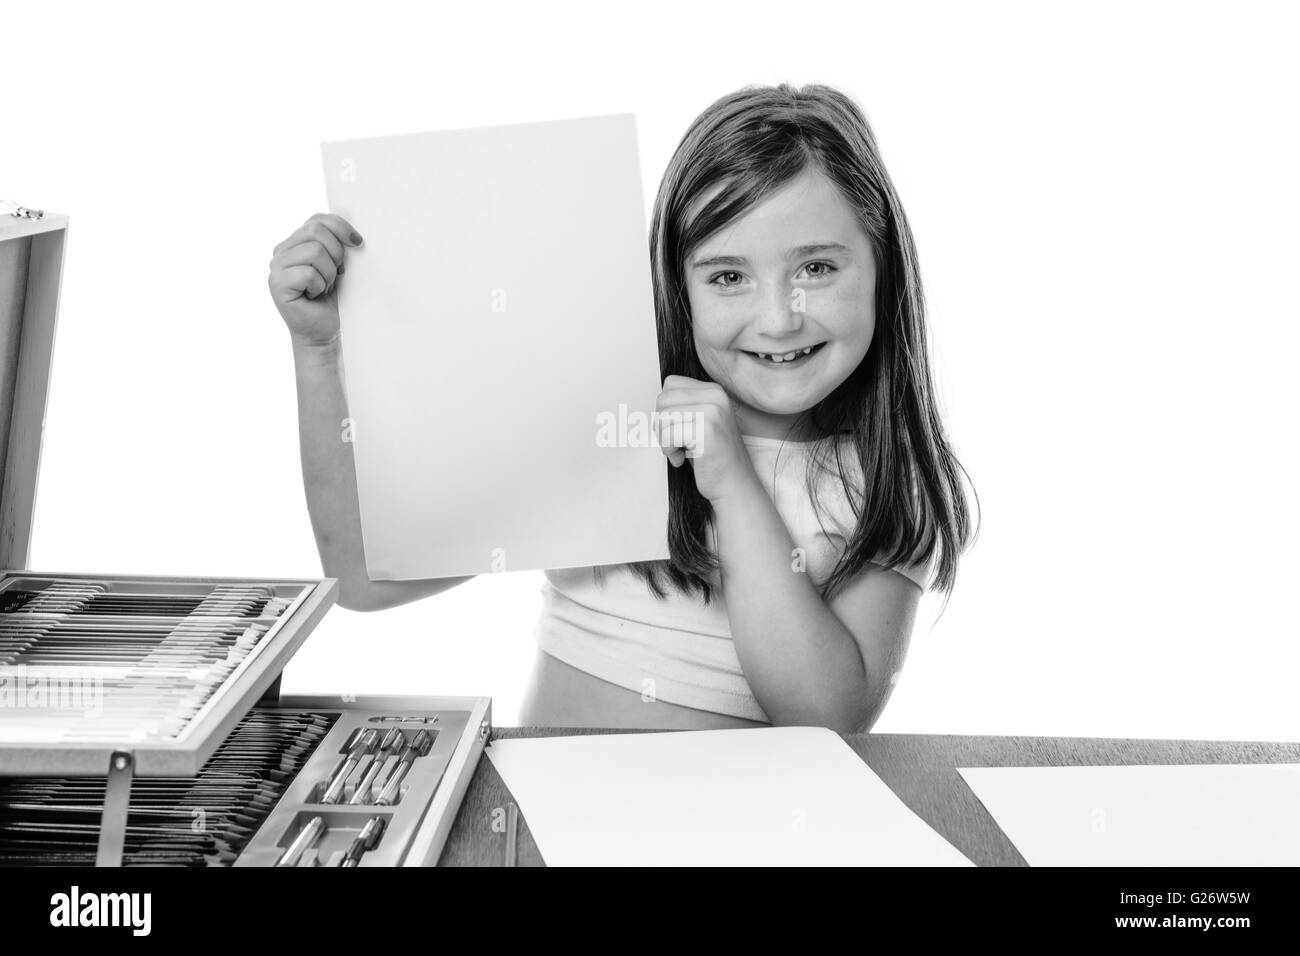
(679,649)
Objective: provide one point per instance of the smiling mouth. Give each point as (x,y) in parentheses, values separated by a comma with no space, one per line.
(782,359)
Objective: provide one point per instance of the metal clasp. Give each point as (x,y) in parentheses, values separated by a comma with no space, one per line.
(21,212)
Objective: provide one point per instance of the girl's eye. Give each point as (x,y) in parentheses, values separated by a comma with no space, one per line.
(823,269)
(732,278)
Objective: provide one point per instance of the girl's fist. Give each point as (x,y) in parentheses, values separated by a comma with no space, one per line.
(695,421)
(304,272)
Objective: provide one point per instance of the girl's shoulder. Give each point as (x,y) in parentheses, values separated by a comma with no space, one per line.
(817,491)
(838,495)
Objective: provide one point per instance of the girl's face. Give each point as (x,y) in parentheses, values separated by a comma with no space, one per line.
(795,272)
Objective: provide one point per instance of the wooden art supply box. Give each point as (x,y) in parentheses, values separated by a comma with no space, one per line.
(140,717)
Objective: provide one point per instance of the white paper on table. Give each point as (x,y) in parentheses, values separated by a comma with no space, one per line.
(1187,815)
(500,305)
(767,796)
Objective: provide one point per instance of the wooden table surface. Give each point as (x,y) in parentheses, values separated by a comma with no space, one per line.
(920,769)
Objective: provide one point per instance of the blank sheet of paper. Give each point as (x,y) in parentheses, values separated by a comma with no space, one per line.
(1194,815)
(498,313)
(778,796)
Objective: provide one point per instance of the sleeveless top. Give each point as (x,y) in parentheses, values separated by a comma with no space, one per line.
(679,649)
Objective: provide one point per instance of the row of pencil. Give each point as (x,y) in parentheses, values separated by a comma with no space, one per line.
(205,820)
(81,662)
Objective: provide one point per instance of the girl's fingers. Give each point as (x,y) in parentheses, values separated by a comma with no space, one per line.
(681,433)
(310,253)
(319,239)
(346,232)
(686,425)
(303,280)
(337,227)
(333,245)
(675,396)
(684,381)
(675,456)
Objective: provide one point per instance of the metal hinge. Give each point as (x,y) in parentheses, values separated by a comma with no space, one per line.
(21,212)
(117,804)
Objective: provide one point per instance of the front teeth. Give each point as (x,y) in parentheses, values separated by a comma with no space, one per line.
(786,357)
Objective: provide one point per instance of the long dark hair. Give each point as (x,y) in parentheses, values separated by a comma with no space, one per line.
(885,413)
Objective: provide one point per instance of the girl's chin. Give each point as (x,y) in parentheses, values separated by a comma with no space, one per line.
(779,392)
(778,409)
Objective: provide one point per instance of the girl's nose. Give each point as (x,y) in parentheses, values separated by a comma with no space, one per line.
(781,310)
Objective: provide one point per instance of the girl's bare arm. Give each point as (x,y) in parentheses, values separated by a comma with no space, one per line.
(303,276)
(808,662)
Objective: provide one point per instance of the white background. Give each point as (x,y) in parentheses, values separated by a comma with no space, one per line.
(1105,202)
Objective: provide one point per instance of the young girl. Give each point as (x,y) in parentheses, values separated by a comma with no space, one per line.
(813,497)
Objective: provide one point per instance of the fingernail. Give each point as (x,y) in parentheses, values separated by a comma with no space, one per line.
(356,238)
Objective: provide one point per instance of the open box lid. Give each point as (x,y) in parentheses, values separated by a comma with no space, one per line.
(107,619)
(31,273)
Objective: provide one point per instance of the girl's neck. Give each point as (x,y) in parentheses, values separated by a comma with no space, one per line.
(788,428)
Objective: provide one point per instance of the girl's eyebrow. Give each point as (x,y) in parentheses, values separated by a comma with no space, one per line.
(808,249)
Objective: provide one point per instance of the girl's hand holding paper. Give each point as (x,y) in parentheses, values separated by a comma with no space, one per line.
(696,421)
(303,273)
